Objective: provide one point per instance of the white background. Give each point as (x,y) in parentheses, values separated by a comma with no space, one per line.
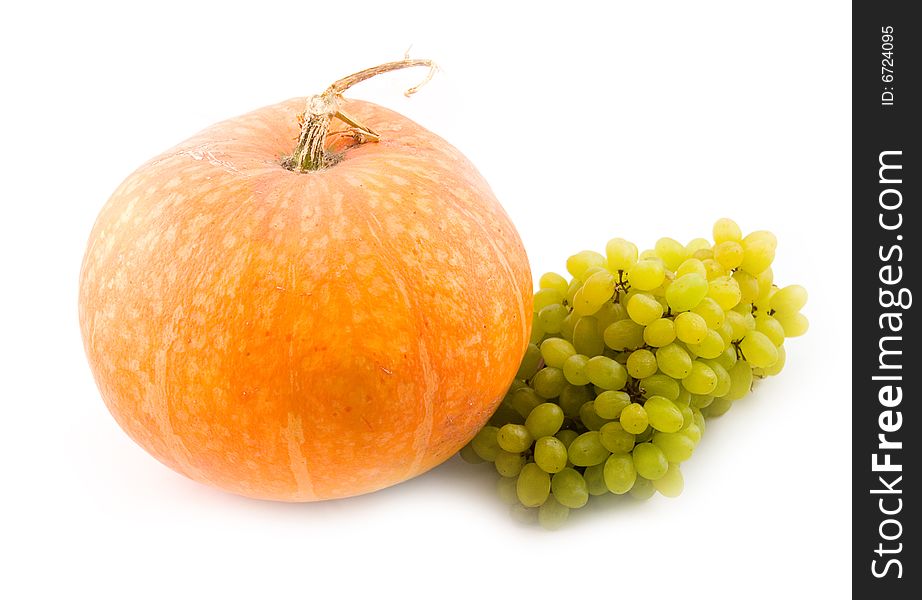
(637,120)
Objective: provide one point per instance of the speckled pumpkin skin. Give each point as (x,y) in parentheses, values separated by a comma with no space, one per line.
(300,337)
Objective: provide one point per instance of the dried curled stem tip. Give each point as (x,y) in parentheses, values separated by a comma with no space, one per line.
(310,153)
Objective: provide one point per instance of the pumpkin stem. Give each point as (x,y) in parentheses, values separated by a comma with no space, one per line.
(311,153)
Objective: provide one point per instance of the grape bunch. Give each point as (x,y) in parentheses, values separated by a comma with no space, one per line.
(626,361)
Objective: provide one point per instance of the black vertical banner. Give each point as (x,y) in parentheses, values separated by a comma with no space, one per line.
(887,374)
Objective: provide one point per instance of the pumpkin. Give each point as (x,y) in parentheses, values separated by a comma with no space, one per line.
(301,336)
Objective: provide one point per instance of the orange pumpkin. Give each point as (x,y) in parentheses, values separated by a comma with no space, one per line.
(303,336)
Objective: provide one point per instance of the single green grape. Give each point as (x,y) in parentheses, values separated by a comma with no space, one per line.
(590,418)
(620,473)
(621,254)
(641,363)
(524,400)
(676,447)
(551,317)
(725,291)
(701,380)
(572,398)
(615,439)
(718,407)
(566,436)
(713,269)
(729,254)
(624,335)
(567,326)
(741,378)
(606,373)
(581,261)
(766,288)
(514,438)
(550,454)
(549,382)
(672,483)
(683,399)
(599,287)
(671,252)
(569,488)
(758,253)
(758,349)
(692,432)
(749,286)
(674,361)
(646,274)
(533,485)
(663,414)
(552,514)
(485,443)
(712,346)
(553,281)
(634,419)
(740,323)
(587,450)
(700,402)
(531,362)
(711,311)
(582,306)
(586,337)
(508,464)
(794,324)
(546,297)
(608,314)
(544,420)
(537,331)
(727,358)
(691,265)
(643,489)
(690,327)
(610,403)
(643,309)
(659,333)
(789,299)
(696,245)
(726,230)
(574,369)
(556,351)
(595,480)
(649,461)
(660,384)
(686,292)
(771,327)
(723,378)
(778,364)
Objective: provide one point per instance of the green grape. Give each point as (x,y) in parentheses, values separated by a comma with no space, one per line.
(574,369)
(606,373)
(595,480)
(505,489)
(566,436)
(729,254)
(711,311)
(758,349)
(589,417)
(530,363)
(765,279)
(671,252)
(789,299)
(688,415)
(794,324)
(621,254)
(701,380)
(608,314)
(549,382)
(508,464)
(702,254)
(582,306)
(469,455)
(537,332)
(748,285)
(676,447)
(610,403)
(660,384)
(686,292)
(580,262)
(551,317)
(663,414)
(726,333)
(615,439)
(643,489)
(572,398)
(587,450)
(725,291)
(514,438)
(624,335)
(572,288)
(772,329)
(586,337)
(567,325)
(533,485)
(741,378)
(766,237)
(700,402)
(674,361)
(544,420)
(556,351)
(726,230)
(778,365)
(758,253)
(727,358)
(599,287)
(646,274)
(712,346)
(485,443)
(550,454)
(697,244)
(649,461)
(569,488)
(700,421)
(634,419)
(553,281)
(740,323)
(691,265)
(659,333)
(644,309)
(718,407)
(552,514)
(620,473)
(545,297)
(692,432)
(641,363)
(524,400)
(723,379)
(683,399)
(671,484)
(690,327)
(713,269)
